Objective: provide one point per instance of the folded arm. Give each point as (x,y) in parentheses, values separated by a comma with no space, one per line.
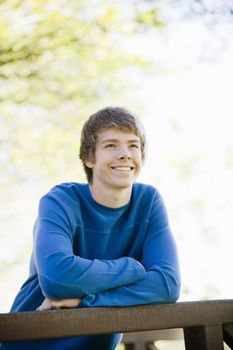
(65,275)
(118,282)
(160,260)
(162,282)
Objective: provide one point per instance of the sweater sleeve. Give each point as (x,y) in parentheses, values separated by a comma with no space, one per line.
(162,282)
(65,275)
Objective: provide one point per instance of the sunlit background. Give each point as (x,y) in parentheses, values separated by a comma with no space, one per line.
(170,62)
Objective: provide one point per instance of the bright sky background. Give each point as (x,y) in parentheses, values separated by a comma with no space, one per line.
(196,98)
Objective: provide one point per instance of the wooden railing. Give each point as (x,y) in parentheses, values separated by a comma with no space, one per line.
(206,324)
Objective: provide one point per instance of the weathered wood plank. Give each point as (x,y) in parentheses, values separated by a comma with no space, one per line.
(75,322)
(149,336)
(203,338)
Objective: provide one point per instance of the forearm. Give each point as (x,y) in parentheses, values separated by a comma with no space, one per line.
(159,286)
(74,277)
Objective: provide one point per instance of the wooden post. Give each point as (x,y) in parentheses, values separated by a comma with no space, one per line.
(203,338)
(228,334)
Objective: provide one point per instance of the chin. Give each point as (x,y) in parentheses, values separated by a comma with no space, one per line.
(123,185)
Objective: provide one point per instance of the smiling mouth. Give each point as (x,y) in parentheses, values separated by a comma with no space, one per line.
(122,168)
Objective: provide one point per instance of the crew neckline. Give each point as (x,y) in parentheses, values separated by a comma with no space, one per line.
(104,207)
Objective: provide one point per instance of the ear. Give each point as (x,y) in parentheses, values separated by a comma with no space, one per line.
(89,163)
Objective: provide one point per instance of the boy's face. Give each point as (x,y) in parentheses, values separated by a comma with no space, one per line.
(118,159)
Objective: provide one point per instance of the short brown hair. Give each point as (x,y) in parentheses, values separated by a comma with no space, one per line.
(108,117)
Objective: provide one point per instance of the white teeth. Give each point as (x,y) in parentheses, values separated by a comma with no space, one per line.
(122,168)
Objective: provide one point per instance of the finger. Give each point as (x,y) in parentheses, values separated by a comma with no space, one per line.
(56,305)
(44,307)
(41,307)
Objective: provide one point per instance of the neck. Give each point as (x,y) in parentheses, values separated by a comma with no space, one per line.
(113,198)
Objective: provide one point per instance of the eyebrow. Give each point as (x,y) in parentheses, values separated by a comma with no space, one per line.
(117,140)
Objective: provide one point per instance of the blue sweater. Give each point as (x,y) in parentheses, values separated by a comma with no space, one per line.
(105,256)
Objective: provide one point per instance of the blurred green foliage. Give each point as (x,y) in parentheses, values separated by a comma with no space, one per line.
(59,61)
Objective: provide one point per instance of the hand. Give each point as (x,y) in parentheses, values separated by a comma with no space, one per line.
(49,304)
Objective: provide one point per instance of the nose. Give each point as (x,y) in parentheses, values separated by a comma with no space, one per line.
(124,153)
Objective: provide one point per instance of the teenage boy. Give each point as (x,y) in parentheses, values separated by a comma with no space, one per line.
(105,243)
